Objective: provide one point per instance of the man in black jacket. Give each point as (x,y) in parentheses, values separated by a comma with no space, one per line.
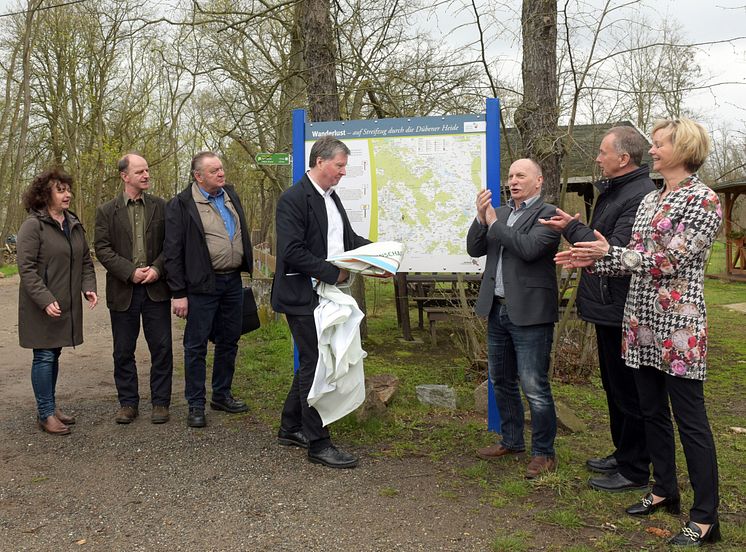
(601,301)
(207,247)
(311,226)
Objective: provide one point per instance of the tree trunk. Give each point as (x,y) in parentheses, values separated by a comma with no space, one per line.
(323,96)
(320,56)
(536,117)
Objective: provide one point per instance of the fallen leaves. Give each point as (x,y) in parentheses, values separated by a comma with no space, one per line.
(658,532)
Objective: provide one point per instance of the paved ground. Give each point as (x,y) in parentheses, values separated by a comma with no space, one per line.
(226,487)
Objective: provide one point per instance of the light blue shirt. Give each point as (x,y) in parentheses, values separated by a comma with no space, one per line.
(515,214)
(218,200)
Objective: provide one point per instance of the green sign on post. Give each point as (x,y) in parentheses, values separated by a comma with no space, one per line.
(272,158)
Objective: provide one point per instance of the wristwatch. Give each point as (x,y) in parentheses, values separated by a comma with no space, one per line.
(631,259)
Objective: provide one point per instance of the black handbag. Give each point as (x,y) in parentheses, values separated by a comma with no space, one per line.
(250,317)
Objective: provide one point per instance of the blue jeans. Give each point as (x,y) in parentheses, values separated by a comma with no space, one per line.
(44,370)
(215,316)
(521,354)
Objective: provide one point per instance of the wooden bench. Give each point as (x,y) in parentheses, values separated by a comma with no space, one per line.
(439,313)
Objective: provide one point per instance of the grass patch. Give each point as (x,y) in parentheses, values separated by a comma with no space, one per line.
(389,492)
(517,542)
(9,270)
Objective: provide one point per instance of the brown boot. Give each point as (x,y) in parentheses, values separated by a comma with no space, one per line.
(495,451)
(126,414)
(53,426)
(64,418)
(540,465)
(159,415)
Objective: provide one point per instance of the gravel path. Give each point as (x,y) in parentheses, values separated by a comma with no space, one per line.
(226,487)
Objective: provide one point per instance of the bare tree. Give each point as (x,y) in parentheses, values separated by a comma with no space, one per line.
(536,117)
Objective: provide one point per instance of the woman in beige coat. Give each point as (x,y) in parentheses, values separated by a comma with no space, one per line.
(56,269)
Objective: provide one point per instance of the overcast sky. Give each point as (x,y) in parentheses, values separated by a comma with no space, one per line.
(701,21)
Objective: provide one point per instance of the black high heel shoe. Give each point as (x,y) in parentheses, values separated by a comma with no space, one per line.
(691,535)
(646,507)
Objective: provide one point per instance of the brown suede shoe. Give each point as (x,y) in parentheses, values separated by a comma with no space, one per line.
(159,414)
(64,418)
(495,451)
(53,426)
(540,465)
(126,414)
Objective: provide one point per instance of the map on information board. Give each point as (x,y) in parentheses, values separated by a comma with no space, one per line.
(413,181)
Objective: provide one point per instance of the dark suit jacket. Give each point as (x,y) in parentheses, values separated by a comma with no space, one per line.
(302,249)
(185,250)
(528,267)
(113,247)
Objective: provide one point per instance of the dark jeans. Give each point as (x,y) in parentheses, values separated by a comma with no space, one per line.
(625,417)
(44,370)
(156,324)
(297,414)
(520,354)
(217,314)
(688,404)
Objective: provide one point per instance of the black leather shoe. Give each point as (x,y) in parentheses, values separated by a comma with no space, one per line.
(196,417)
(228,404)
(691,535)
(615,483)
(332,457)
(292,438)
(646,507)
(603,465)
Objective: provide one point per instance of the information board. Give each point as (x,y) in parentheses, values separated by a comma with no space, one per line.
(415,181)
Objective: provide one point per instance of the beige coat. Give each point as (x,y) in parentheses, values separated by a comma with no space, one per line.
(52,268)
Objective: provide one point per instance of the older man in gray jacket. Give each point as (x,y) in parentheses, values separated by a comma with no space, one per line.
(518,294)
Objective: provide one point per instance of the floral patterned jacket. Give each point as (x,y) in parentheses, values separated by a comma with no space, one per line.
(665,323)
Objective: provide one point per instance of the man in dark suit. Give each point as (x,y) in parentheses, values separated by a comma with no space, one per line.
(518,294)
(207,247)
(311,226)
(601,302)
(129,243)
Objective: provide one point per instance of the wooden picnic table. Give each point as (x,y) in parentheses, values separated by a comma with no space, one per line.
(431,297)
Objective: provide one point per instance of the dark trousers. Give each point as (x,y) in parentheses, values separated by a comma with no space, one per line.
(216,314)
(688,404)
(625,417)
(519,355)
(125,328)
(297,414)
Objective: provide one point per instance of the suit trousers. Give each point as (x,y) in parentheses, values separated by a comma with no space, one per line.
(625,417)
(655,388)
(218,314)
(125,328)
(297,414)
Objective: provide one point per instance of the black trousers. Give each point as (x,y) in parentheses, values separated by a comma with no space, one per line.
(625,417)
(688,404)
(125,328)
(297,414)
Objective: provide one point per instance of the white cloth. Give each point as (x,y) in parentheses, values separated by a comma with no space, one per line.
(379,259)
(339,383)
